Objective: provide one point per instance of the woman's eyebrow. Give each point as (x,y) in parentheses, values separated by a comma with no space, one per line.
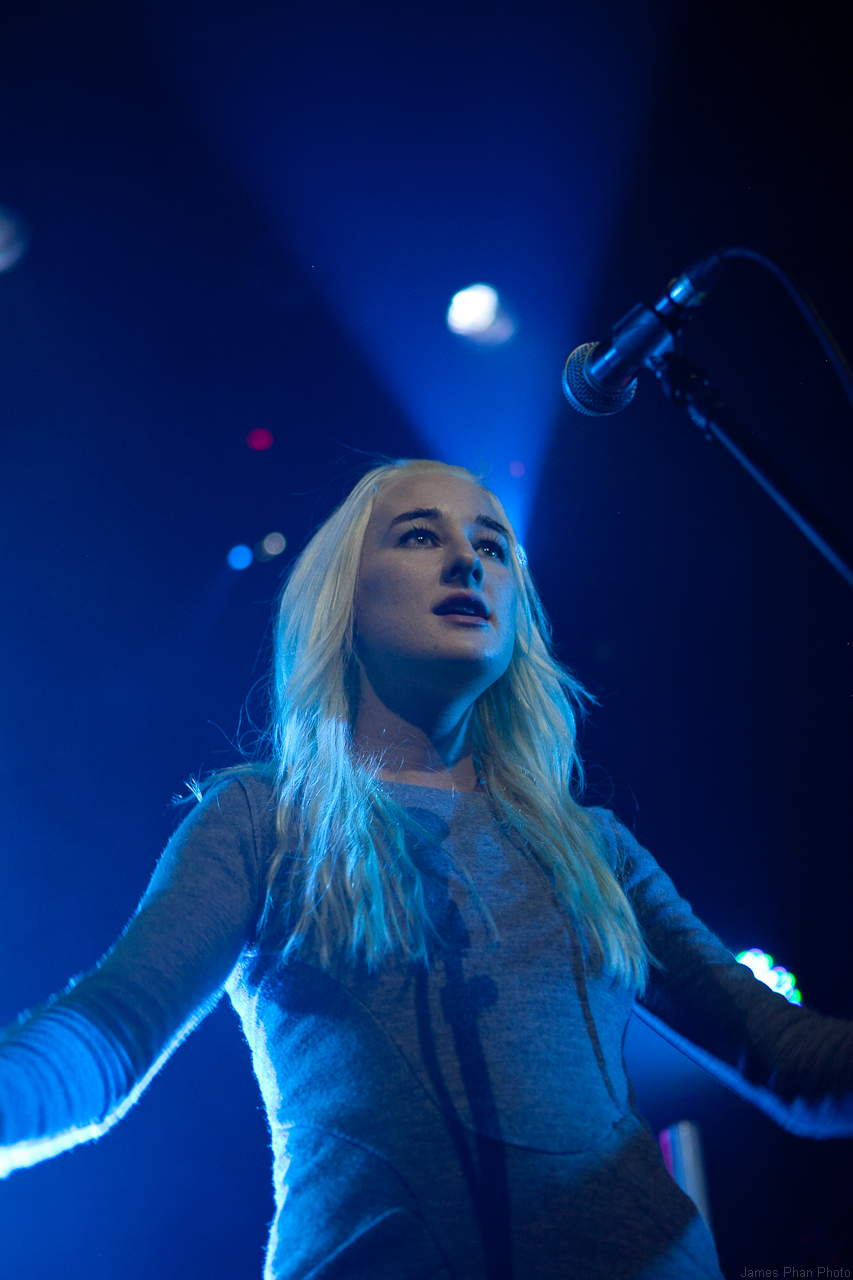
(420,513)
(493,524)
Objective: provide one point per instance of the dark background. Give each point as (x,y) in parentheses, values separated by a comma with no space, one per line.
(218,201)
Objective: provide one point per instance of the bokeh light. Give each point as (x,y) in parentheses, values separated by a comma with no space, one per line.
(516,469)
(274,543)
(240,557)
(270,546)
(773,976)
(259,438)
(476,313)
(472,310)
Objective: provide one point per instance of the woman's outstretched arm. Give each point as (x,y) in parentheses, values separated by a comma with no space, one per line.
(71,1069)
(793,1063)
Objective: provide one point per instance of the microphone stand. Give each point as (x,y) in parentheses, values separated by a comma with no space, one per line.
(687,386)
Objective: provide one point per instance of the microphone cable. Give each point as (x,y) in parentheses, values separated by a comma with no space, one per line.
(813,318)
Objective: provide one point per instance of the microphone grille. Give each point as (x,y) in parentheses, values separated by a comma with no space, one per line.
(586,398)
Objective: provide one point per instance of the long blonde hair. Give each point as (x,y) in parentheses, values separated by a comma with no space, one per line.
(343,872)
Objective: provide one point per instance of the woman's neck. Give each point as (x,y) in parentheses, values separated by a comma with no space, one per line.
(432,751)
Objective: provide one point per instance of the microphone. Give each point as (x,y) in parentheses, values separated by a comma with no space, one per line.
(601,378)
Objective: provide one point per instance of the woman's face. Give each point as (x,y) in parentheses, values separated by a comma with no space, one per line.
(436,597)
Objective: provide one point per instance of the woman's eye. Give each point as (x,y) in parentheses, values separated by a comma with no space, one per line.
(428,538)
(422,537)
(492,548)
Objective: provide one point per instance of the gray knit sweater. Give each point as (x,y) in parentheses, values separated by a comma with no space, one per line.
(470,1120)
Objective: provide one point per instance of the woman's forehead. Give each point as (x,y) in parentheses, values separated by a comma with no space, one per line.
(453,495)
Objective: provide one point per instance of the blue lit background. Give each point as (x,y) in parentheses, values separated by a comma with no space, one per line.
(252,218)
(401,166)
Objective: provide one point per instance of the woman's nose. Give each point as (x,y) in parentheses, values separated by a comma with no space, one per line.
(465,567)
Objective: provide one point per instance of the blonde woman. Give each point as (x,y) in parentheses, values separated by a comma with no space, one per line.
(433,947)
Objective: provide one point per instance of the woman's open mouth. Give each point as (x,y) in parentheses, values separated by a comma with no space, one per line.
(463,607)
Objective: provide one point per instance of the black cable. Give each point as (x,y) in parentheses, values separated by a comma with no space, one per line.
(815,321)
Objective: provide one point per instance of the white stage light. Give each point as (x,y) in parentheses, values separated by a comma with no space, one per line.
(473,310)
(476,313)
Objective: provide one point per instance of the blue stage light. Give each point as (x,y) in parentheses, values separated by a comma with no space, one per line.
(13,239)
(773,976)
(478,184)
(240,557)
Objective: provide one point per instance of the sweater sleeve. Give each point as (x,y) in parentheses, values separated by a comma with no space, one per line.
(71,1069)
(793,1063)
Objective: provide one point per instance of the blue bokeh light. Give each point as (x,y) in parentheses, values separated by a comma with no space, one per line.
(240,557)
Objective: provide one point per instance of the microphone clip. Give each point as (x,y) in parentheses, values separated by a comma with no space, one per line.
(686,385)
(601,378)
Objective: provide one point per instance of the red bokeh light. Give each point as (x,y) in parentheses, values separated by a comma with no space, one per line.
(259,438)
(516,469)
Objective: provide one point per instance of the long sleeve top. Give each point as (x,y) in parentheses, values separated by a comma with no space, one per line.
(471,1118)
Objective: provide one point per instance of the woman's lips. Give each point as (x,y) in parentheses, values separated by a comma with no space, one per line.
(463,604)
(465,619)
